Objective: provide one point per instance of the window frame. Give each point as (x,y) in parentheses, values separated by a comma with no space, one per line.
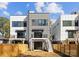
(19,23)
(39,22)
(70,35)
(67,24)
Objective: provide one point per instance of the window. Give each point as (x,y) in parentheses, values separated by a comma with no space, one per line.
(53,37)
(20,34)
(67,23)
(33,22)
(19,23)
(71,34)
(44,22)
(76,23)
(25,24)
(39,22)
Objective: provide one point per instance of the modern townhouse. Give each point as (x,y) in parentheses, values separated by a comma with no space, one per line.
(65,27)
(18,28)
(36,30)
(33,28)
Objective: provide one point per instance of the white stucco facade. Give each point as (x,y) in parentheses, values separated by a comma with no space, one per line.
(59,31)
(13,29)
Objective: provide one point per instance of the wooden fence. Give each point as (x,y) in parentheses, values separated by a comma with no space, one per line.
(67,49)
(9,50)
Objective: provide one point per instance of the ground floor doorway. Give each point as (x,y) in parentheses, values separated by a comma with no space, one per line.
(40,44)
(37,45)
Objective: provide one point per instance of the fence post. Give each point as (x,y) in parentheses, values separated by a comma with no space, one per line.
(69,49)
(78,50)
(60,47)
(64,48)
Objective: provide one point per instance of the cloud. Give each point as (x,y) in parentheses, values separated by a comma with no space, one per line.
(3,5)
(6,13)
(48,7)
(54,8)
(39,6)
(19,13)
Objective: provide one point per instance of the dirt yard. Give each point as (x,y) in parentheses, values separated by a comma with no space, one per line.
(21,50)
(40,54)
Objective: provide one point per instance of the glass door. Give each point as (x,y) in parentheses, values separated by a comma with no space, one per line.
(37,34)
(21,34)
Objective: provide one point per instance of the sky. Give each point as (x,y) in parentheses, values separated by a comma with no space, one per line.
(55,9)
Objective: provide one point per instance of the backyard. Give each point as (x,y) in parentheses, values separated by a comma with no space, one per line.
(22,50)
